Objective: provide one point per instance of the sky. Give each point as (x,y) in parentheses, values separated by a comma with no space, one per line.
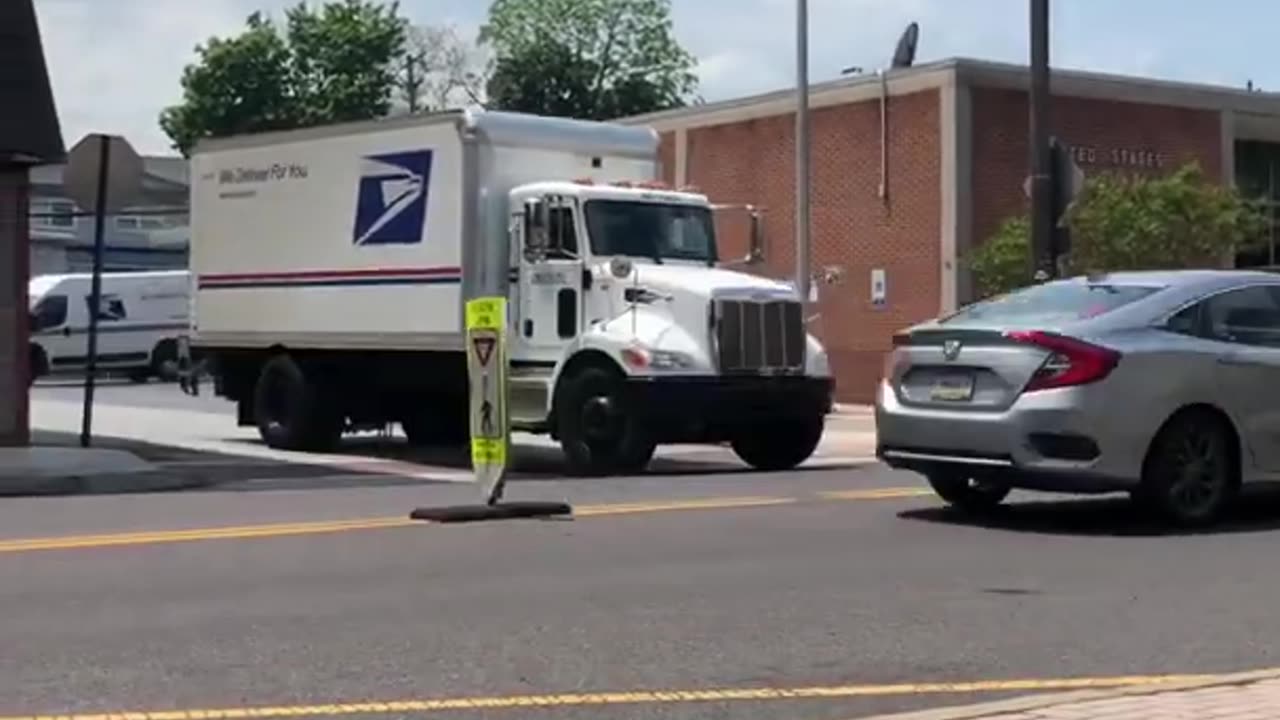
(115,64)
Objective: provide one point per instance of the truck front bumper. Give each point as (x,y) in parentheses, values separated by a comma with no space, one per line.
(710,409)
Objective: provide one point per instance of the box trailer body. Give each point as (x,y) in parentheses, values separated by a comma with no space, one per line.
(142,318)
(332,266)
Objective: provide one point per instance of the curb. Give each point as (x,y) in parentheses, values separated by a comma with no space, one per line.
(1039,702)
(144,482)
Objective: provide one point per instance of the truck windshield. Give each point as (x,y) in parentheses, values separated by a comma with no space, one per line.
(651,230)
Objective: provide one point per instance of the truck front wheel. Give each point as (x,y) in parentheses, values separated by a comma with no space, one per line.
(291,411)
(598,432)
(779,446)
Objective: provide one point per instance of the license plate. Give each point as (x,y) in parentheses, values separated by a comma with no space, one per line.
(953,388)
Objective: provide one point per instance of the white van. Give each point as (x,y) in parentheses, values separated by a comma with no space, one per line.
(141,318)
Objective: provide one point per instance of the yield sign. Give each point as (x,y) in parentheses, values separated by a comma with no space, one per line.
(484,348)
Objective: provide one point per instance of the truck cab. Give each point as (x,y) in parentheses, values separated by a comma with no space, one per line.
(629,331)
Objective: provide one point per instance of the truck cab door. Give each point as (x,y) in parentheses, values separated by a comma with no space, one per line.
(550,286)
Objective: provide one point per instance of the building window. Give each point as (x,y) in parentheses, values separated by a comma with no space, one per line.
(58,214)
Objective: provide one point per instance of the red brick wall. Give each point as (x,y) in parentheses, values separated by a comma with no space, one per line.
(1097,128)
(753,162)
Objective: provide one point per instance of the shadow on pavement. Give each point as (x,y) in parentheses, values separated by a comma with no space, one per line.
(531,462)
(1257,511)
(211,471)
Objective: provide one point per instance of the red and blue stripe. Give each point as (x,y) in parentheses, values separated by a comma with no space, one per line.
(332,278)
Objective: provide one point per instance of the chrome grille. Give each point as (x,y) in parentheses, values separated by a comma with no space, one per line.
(758,336)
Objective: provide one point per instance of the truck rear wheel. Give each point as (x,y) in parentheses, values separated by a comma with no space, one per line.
(598,432)
(779,445)
(291,411)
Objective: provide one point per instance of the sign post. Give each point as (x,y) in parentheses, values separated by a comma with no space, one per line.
(487,371)
(103,175)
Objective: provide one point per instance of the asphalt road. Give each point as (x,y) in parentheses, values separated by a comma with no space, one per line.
(850,590)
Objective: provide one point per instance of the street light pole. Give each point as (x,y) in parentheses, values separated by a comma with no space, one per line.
(1041,206)
(802,150)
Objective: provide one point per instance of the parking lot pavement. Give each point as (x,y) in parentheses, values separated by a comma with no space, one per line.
(777,598)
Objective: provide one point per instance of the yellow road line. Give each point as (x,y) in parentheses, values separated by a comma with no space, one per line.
(213,533)
(876,493)
(150,537)
(699,504)
(642,697)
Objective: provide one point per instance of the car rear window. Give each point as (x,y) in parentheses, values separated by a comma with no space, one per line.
(1059,301)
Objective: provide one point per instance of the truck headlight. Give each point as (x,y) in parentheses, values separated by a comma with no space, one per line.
(644,358)
(821,364)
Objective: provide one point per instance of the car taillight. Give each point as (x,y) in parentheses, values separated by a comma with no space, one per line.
(1071,362)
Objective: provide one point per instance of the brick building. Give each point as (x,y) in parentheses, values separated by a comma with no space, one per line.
(911,169)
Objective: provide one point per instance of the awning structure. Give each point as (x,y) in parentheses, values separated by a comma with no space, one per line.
(29,130)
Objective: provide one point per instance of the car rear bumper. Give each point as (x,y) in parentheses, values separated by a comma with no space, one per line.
(1054,441)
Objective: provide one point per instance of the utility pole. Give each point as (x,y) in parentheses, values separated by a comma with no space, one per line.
(802,150)
(1044,265)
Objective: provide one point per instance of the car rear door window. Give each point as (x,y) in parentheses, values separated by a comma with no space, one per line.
(1052,302)
(1248,316)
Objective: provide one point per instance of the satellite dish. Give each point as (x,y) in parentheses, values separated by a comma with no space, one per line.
(905,54)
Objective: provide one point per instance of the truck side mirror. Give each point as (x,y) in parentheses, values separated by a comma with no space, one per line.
(536,226)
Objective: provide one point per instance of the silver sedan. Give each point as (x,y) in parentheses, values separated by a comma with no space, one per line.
(1165,385)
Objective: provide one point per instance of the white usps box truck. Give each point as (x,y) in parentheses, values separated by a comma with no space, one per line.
(142,318)
(331,265)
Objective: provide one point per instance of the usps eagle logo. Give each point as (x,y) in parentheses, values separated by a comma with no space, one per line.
(391,208)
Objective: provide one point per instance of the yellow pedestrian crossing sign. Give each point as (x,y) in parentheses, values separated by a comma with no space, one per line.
(487,373)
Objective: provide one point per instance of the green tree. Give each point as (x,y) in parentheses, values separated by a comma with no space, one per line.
(595,59)
(330,64)
(1128,222)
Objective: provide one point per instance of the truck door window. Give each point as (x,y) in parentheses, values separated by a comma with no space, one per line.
(562,234)
(50,312)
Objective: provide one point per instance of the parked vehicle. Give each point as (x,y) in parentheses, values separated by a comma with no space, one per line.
(331,266)
(1161,384)
(141,316)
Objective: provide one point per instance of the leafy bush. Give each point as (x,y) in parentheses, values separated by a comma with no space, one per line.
(1123,222)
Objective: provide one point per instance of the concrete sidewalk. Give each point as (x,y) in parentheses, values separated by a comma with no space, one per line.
(1244,696)
(62,469)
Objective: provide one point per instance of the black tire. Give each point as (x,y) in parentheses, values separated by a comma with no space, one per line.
(37,365)
(1192,470)
(291,412)
(973,495)
(774,447)
(598,432)
(164,360)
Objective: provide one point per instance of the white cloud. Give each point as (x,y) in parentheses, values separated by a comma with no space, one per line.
(114,65)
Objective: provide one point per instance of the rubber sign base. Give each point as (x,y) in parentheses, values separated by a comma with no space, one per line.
(500,511)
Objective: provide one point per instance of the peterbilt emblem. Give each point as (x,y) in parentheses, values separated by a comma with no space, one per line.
(951,349)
